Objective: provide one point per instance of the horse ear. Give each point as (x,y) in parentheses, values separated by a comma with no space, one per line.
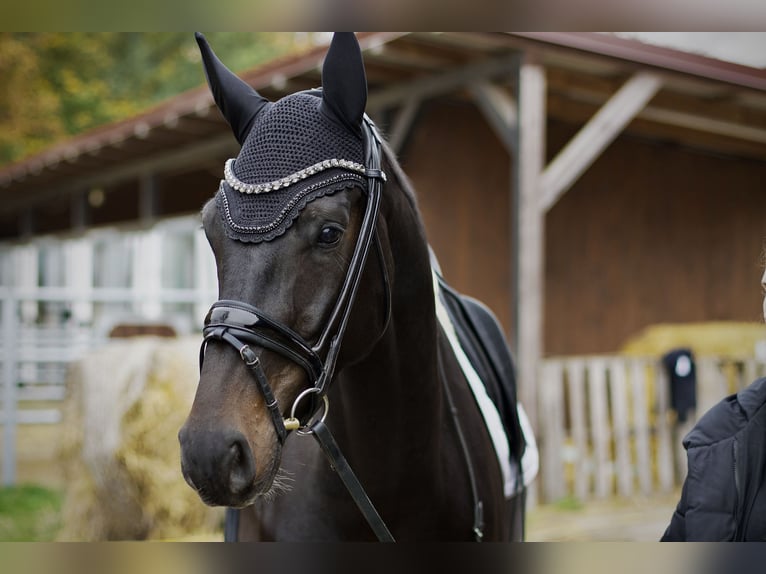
(344,83)
(239,103)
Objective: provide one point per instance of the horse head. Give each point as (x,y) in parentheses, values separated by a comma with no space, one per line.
(284,228)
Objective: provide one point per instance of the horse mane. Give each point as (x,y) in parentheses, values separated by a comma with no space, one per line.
(401,177)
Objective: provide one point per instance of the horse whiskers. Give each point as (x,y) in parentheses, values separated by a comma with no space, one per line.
(281,484)
(206,496)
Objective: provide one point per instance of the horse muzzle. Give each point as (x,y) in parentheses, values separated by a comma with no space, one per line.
(219,465)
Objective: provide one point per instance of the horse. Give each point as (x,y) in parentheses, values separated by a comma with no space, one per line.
(328,310)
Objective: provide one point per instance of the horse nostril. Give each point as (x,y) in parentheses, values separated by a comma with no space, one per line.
(241,465)
(235,452)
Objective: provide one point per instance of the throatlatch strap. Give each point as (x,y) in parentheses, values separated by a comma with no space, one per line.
(354,487)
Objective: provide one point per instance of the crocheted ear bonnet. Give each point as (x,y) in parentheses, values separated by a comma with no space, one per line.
(304,146)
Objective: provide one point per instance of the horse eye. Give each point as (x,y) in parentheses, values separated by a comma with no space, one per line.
(330,235)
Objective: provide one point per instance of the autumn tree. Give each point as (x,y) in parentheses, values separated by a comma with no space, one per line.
(55,85)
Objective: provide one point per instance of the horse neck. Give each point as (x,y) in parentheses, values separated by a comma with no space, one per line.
(396,387)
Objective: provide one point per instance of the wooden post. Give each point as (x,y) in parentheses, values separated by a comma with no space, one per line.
(10,406)
(78,276)
(147,273)
(26,264)
(552,440)
(530,232)
(577,414)
(601,432)
(641,424)
(148,203)
(618,385)
(80,212)
(665,466)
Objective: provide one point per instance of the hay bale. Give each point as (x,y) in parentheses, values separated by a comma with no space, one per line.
(721,338)
(119,448)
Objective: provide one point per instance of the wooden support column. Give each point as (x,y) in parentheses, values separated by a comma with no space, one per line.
(26,263)
(9,414)
(529,226)
(499,109)
(80,212)
(148,203)
(147,273)
(78,276)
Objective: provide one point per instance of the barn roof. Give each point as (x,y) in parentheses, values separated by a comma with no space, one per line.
(705,103)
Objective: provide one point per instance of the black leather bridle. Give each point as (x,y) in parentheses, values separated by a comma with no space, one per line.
(241,325)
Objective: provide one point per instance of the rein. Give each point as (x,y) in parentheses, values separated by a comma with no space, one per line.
(240,325)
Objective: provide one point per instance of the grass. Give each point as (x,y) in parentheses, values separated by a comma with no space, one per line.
(569,503)
(29,513)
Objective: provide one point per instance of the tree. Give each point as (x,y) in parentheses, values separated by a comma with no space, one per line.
(55,85)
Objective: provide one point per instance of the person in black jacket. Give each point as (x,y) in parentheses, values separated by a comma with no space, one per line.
(723,496)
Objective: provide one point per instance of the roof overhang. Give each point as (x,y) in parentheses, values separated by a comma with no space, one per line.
(705,103)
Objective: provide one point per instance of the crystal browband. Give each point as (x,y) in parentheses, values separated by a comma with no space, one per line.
(243,187)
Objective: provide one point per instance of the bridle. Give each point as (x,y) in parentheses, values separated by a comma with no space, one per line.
(241,325)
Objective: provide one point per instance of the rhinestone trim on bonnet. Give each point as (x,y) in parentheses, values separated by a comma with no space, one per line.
(295,201)
(257,188)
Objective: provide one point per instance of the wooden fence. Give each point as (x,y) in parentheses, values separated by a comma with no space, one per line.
(606,426)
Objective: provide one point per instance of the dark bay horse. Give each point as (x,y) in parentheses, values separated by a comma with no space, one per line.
(306,262)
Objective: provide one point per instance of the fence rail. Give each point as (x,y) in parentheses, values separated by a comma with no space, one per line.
(606,425)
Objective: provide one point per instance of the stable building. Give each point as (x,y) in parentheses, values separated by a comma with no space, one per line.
(583,185)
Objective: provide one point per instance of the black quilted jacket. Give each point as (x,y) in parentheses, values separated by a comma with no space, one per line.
(723,495)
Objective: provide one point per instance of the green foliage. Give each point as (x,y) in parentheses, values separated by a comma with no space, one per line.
(29,513)
(569,503)
(55,85)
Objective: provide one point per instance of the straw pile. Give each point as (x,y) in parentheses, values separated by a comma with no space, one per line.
(119,448)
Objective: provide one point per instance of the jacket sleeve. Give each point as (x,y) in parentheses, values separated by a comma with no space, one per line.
(676,530)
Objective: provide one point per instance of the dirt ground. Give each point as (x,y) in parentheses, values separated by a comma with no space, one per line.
(639,519)
(36,455)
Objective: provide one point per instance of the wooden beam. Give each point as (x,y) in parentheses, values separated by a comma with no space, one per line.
(402,124)
(185,158)
(439,84)
(578,112)
(499,108)
(529,226)
(596,135)
(718,112)
(706,124)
